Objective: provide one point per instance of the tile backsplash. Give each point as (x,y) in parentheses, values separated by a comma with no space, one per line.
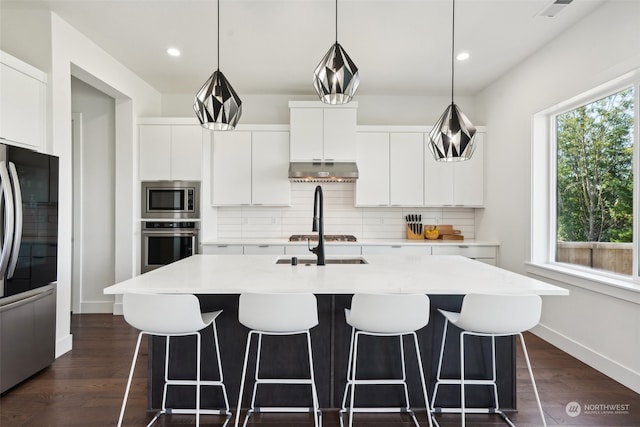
(340,217)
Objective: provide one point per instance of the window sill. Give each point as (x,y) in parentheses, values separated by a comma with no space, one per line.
(627,290)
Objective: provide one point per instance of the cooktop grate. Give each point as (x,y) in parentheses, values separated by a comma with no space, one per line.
(327,238)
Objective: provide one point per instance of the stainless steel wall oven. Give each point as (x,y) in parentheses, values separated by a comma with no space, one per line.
(164,242)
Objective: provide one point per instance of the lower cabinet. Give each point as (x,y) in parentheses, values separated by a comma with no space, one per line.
(396,250)
(222,249)
(328,249)
(486,254)
(263,250)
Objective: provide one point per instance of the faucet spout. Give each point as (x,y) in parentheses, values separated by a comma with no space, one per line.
(318,224)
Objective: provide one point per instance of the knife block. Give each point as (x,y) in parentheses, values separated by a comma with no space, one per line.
(413,236)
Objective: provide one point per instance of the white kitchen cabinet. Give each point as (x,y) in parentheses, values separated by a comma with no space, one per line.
(396,250)
(263,249)
(222,249)
(22,103)
(251,168)
(322,133)
(270,184)
(486,254)
(303,250)
(231,168)
(406,177)
(390,166)
(372,186)
(170,152)
(455,183)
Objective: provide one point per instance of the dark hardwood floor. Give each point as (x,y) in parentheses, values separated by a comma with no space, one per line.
(85,388)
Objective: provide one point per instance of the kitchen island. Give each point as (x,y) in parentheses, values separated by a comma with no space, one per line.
(217,280)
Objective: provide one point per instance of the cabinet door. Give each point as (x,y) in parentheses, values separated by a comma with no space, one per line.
(372,186)
(231,168)
(270,169)
(155,152)
(406,169)
(22,102)
(469,177)
(306,134)
(339,134)
(186,152)
(438,179)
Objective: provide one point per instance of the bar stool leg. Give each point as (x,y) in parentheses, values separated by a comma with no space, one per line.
(314,392)
(198,373)
(346,386)
(462,397)
(404,375)
(166,375)
(220,375)
(133,366)
(353,377)
(257,373)
(533,381)
(439,372)
(242,378)
(422,380)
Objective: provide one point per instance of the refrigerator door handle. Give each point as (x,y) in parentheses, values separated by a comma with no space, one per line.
(7,195)
(17,235)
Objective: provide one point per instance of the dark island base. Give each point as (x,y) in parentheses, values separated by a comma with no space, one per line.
(287,357)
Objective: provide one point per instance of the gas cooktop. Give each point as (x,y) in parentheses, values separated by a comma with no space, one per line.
(327,238)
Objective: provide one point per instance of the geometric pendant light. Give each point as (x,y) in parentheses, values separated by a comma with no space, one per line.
(336,77)
(452,137)
(217,105)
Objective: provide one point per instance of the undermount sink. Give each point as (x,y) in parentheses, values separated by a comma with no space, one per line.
(310,261)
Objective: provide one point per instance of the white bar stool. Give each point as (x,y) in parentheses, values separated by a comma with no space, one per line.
(385,315)
(278,315)
(489,316)
(173,316)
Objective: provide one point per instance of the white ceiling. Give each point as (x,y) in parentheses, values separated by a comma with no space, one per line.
(272,46)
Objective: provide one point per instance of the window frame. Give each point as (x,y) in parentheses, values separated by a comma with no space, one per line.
(544,195)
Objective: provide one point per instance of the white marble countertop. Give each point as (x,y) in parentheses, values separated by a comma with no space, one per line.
(234,274)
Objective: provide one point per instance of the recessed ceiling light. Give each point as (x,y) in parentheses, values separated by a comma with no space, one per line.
(172,51)
(463,56)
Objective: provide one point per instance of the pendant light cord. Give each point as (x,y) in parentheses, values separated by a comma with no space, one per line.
(453,37)
(218,35)
(336,21)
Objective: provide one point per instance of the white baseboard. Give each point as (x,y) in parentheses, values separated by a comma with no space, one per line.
(64,345)
(620,373)
(94,307)
(117,309)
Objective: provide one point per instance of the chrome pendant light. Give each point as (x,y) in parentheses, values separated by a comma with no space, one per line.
(336,78)
(452,137)
(217,105)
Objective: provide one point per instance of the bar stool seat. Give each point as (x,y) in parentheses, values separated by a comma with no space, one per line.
(278,314)
(385,315)
(488,316)
(174,316)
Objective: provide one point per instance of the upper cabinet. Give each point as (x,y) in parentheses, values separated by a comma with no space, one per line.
(455,183)
(251,168)
(322,133)
(22,103)
(170,152)
(390,166)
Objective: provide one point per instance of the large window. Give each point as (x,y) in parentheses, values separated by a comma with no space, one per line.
(594,184)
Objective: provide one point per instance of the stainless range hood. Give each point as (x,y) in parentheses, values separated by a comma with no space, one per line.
(323,172)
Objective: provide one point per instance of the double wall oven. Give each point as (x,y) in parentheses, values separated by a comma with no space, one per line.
(170,226)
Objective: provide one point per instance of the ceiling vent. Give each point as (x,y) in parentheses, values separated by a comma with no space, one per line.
(553,8)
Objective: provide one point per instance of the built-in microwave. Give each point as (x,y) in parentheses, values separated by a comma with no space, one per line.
(170,199)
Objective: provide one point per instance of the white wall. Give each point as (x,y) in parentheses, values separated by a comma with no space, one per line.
(372,110)
(603,46)
(94,219)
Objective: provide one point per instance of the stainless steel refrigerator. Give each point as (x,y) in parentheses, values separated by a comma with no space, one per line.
(28,262)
